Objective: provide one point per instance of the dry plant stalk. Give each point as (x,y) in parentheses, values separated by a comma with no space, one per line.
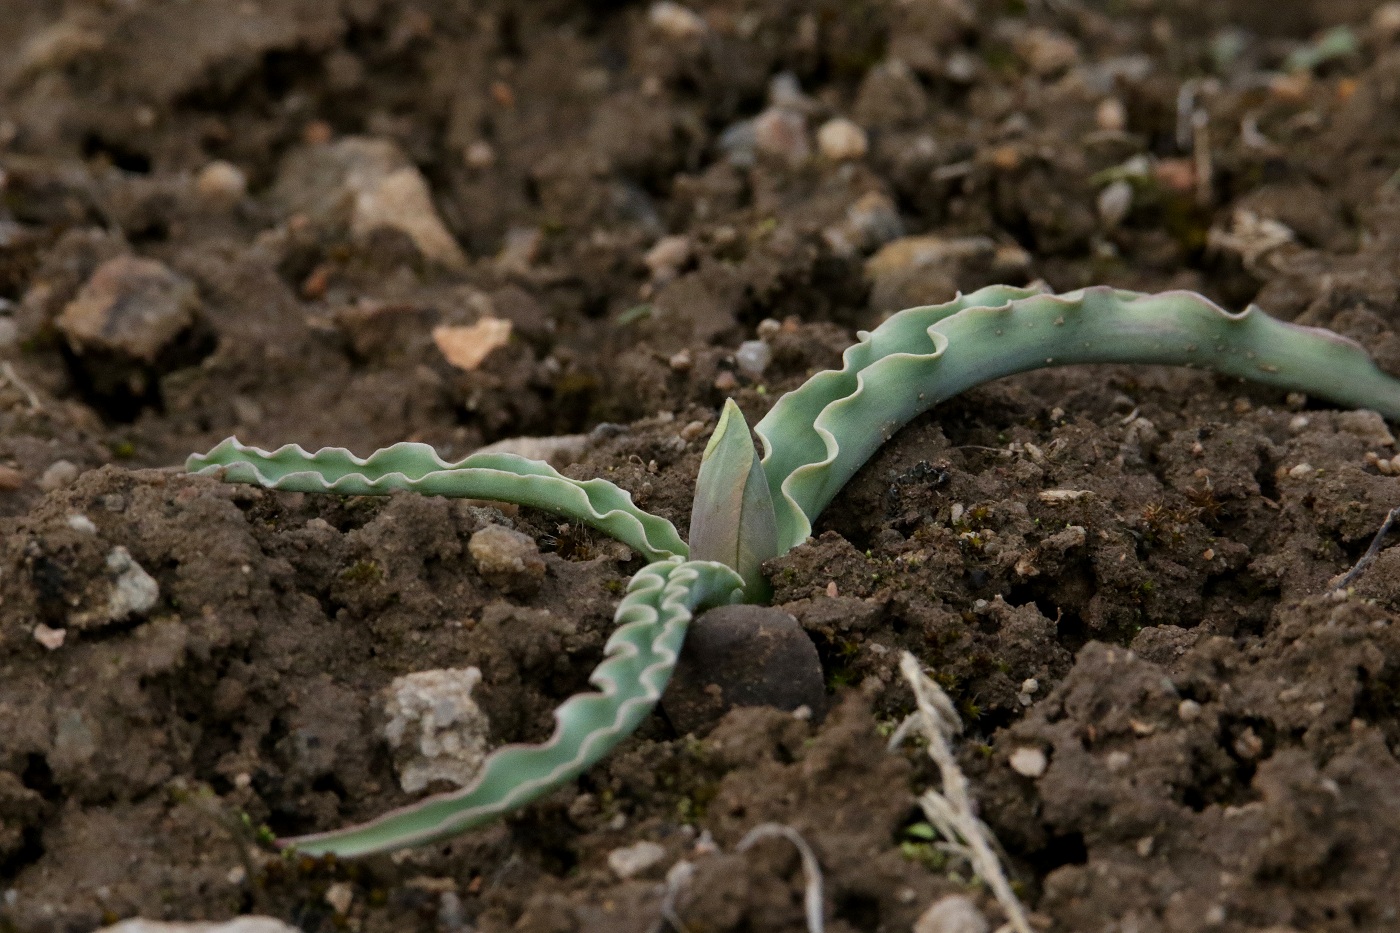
(950,811)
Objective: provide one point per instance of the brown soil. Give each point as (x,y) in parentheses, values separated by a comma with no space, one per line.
(1222,734)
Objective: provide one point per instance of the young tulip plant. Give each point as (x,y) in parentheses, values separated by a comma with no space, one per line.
(748,510)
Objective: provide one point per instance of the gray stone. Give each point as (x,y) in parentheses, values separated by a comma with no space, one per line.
(134,591)
(435,728)
(125,318)
(743,656)
(366,184)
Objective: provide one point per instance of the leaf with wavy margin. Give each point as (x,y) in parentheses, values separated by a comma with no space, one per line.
(639,658)
(500,477)
(816,437)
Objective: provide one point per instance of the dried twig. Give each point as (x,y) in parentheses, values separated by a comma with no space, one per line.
(683,871)
(8,374)
(950,811)
(1370,554)
(810,867)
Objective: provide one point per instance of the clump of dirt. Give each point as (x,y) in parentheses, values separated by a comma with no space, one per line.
(366,221)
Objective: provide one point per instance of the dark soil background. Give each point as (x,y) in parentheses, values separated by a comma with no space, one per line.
(272,219)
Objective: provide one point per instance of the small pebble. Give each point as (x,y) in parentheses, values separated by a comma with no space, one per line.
(738,142)
(768,328)
(82,524)
(668,257)
(451,917)
(1028,762)
(1046,51)
(693,430)
(221,184)
(479,155)
(1188,710)
(244,924)
(1301,470)
(1386,19)
(631,861)
(955,913)
(1111,115)
(131,308)
(753,357)
(782,134)
(675,21)
(59,474)
(785,90)
(10,478)
(339,896)
(872,221)
(1248,745)
(1115,202)
(726,382)
(50,638)
(1029,686)
(134,591)
(507,558)
(842,140)
(680,361)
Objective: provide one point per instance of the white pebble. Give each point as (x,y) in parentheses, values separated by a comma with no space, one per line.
(59,474)
(841,140)
(753,357)
(1188,710)
(1028,762)
(1111,115)
(666,258)
(50,638)
(339,896)
(675,21)
(81,524)
(954,913)
(134,592)
(221,184)
(236,925)
(1301,470)
(479,155)
(1115,201)
(630,861)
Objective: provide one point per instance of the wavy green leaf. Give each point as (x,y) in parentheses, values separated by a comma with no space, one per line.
(499,477)
(640,656)
(816,437)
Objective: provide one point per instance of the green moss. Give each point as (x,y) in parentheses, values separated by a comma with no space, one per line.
(362,572)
